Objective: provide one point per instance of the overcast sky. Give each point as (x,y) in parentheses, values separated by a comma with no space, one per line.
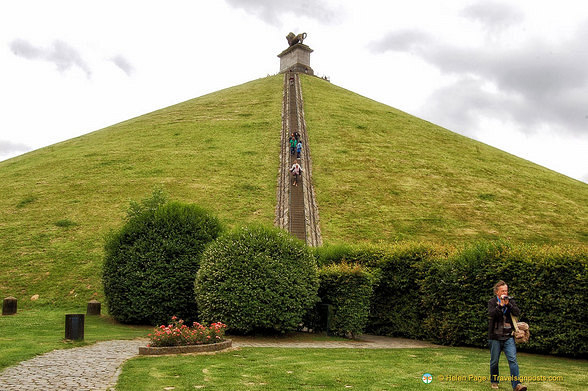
(512,74)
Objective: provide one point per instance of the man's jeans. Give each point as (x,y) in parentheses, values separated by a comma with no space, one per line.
(510,351)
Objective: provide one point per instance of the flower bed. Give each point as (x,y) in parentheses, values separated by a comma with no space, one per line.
(178,338)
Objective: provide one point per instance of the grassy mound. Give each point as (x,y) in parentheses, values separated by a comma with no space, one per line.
(380,175)
(58,202)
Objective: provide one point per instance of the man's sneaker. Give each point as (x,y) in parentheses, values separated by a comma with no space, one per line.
(494,386)
(520,387)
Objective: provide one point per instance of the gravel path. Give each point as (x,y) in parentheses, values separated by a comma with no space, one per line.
(97,366)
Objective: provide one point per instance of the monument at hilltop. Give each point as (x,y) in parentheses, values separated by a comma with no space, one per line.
(297,57)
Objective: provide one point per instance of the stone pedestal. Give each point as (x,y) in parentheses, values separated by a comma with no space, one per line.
(296,59)
(9,306)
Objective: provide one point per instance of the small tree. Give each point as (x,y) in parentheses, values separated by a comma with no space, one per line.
(151,262)
(256,278)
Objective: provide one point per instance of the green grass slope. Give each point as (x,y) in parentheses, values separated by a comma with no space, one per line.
(57,203)
(380,175)
(383,175)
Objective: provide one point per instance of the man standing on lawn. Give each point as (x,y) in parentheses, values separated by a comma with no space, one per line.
(500,335)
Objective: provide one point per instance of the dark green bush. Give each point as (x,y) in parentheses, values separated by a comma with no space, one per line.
(455,293)
(256,278)
(396,308)
(348,288)
(395,305)
(151,262)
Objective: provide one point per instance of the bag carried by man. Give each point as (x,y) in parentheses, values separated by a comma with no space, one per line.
(521,333)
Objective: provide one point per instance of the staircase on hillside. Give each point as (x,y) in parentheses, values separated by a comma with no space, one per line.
(296,210)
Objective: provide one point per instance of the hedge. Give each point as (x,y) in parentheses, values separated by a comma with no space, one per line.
(257,278)
(441,294)
(550,286)
(348,288)
(398,269)
(151,262)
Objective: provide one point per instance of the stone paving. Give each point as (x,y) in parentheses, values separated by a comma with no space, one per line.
(96,367)
(93,367)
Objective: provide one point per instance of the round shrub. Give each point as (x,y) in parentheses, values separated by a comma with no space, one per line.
(151,262)
(256,278)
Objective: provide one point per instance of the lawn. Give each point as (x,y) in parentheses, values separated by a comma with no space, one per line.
(39,330)
(337,369)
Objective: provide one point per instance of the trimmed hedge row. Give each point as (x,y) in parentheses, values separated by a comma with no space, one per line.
(432,293)
(395,308)
(549,284)
(348,288)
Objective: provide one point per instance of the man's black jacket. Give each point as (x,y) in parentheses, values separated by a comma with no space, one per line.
(496,320)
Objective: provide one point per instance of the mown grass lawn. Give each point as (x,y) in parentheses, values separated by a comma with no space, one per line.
(39,330)
(339,369)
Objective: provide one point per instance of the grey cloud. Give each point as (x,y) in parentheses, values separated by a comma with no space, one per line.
(402,40)
(460,105)
(539,83)
(59,53)
(24,49)
(270,11)
(7,147)
(495,16)
(123,64)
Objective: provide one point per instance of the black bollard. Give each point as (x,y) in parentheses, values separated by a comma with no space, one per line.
(74,326)
(93,308)
(9,306)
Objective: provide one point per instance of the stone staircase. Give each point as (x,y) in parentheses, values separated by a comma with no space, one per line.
(296,209)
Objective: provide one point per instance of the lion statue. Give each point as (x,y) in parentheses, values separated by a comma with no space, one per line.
(294,39)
